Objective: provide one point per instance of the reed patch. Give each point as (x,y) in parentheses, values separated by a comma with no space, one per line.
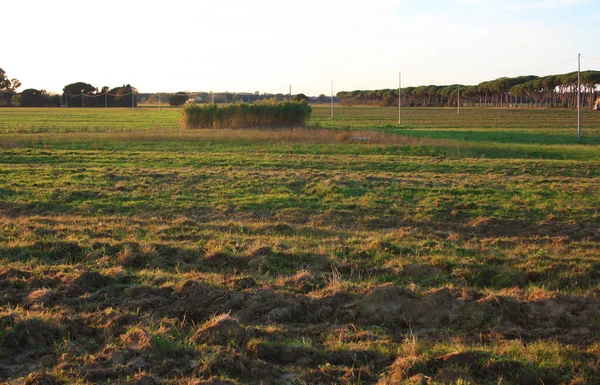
(242,115)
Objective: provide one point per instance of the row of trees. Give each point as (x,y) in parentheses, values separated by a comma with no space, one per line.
(533,91)
(27,98)
(85,95)
(207,97)
(181,98)
(74,95)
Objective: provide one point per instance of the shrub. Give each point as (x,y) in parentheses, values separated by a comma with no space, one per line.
(178,99)
(241,115)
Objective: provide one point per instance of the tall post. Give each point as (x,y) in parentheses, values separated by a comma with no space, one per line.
(399,98)
(458,103)
(578,98)
(332,99)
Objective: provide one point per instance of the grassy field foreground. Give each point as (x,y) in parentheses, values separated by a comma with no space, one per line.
(148,254)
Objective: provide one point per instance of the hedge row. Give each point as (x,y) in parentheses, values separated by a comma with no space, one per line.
(242,115)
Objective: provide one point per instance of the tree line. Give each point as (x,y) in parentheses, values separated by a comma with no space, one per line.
(533,91)
(85,95)
(77,94)
(181,98)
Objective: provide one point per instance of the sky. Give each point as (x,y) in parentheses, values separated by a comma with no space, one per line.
(268,45)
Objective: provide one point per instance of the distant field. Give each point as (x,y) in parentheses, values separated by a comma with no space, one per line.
(495,133)
(559,124)
(455,248)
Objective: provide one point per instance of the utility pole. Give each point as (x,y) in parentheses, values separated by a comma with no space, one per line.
(578,98)
(399,98)
(332,99)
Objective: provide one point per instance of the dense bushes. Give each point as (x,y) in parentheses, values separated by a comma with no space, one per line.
(241,115)
(178,99)
(37,98)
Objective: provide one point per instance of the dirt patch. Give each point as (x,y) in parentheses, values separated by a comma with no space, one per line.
(267,305)
(302,282)
(559,311)
(354,358)
(329,374)
(145,380)
(449,376)
(146,297)
(335,307)
(475,315)
(33,333)
(471,367)
(241,283)
(91,281)
(432,309)
(237,364)
(497,227)
(260,251)
(58,250)
(194,301)
(279,353)
(415,270)
(99,374)
(383,305)
(221,259)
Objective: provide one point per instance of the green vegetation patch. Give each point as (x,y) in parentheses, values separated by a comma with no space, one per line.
(241,115)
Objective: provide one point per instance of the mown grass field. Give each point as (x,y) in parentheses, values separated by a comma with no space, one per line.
(452,249)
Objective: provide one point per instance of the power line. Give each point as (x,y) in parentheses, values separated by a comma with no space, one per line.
(554,65)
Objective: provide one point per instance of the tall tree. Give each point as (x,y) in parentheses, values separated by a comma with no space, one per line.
(8,89)
(74,94)
(122,96)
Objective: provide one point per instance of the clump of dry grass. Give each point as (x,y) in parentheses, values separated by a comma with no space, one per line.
(222,329)
(136,338)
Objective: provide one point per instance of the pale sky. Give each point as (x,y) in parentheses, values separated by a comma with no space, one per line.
(266,45)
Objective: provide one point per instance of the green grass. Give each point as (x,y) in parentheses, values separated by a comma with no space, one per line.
(442,248)
(62,120)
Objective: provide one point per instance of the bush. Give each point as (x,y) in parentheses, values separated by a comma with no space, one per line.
(178,99)
(241,115)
